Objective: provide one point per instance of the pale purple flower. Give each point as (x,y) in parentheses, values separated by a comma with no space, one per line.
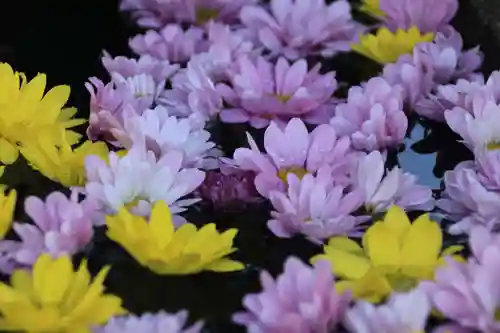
(488,169)
(157,13)
(313,206)
(403,313)
(62,226)
(430,65)
(160,322)
(372,116)
(261,91)
(467,201)
(229,187)
(162,133)
(295,150)
(427,15)
(301,300)
(193,93)
(478,129)
(383,188)
(469,293)
(171,43)
(138,180)
(299,28)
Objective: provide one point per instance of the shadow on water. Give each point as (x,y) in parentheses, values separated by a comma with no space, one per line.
(65,38)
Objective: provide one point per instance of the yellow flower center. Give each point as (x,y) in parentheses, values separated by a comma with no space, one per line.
(283,98)
(400,282)
(493,145)
(203,14)
(299,172)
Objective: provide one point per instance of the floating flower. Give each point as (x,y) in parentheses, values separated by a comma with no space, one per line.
(228,187)
(27,115)
(467,201)
(426,15)
(162,133)
(7,206)
(468,292)
(63,226)
(138,179)
(62,164)
(262,91)
(294,150)
(403,313)
(157,13)
(150,323)
(372,116)
(380,189)
(156,245)
(171,43)
(302,299)
(298,28)
(431,65)
(479,127)
(392,257)
(314,207)
(54,298)
(385,46)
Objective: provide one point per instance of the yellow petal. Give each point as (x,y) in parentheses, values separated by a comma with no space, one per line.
(344,243)
(8,152)
(161,224)
(345,264)
(397,221)
(383,247)
(225,265)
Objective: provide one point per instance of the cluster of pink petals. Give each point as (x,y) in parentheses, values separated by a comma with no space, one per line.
(298,28)
(313,206)
(472,193)
(468,293)
(261,91)
(62,226)
(228,188)
(157,13)
(171,43)
(140,179)
(160,322)
(295,150)
(427,15)
(301,300)
(372,116)
(430,65)
(380,188)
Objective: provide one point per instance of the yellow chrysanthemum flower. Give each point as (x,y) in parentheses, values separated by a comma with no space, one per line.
(163,250)
(54,298)
(396,254)
(371,7)
(7,207)
(62,163)
(26,114)
(386,47)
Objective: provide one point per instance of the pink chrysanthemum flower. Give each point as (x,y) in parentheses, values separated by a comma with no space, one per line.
(430,65)
(171,43)
(62,226)
(403,313)
(468,293)
(162,133)
(313,206)
(427,15)
(160,322)
(372,116)
(261,91)
(302,299)
(467,200)
(298,28)
(294,150)
(138,179)
(383,188)
(229,187)
(157,13)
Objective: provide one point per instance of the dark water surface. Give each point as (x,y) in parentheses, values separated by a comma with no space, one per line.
(65,38)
